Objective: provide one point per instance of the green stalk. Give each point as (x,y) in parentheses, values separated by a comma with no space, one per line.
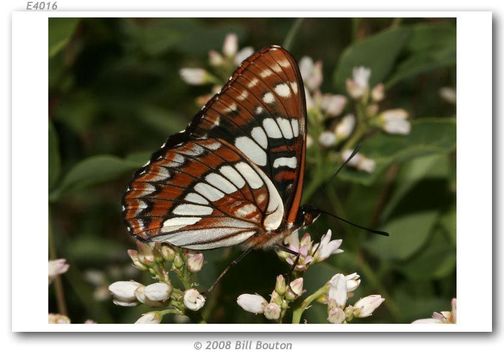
(58,284)
(291,35)
(296,315)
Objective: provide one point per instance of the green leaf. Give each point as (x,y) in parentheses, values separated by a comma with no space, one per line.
(408,233)
(54,156)
(60,32)
(378,52)
(386,149)
(89,248)
(435,261)
(161,119)
(411,173)
(430,47)
(91,171)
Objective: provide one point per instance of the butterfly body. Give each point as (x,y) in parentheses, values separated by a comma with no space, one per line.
(235,175)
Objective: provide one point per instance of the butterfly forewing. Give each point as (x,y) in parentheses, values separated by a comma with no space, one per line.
(235,174)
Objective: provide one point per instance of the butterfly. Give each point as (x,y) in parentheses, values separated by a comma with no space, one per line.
(235,174)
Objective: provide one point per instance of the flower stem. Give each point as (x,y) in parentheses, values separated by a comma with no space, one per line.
(291,35)
(58,284)
(296,315)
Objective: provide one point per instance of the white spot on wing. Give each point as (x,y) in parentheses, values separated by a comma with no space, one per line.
(213,145)
(245,210)
(253,83)
(176,161)
(295,127)
(243,95)
(260,136)
(283,90)
(250,175)
(233,175)
(286,128)
(208,191)
(226,242)
(272,128)
(252,150)
(268,98)
(196,198)
(265,73)
(177,223)
(259,110)
(162,174)
(294,87)
(192,210)
(221,183)
(285,161)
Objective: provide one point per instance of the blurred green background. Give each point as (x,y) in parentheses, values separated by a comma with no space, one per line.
(115,95)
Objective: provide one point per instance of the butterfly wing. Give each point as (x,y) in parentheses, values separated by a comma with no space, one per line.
(236,172)
(262,111)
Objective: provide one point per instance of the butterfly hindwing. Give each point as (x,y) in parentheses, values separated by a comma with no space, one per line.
(236,172)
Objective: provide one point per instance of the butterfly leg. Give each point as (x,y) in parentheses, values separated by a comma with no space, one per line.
(294,264)
(230,265)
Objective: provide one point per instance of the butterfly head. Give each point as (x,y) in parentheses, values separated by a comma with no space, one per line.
(307,215)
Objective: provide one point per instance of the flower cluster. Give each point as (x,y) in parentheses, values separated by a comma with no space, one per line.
(159,261)
(221,64)
(340,289)
(337,130)
(443,317)
(282,295)
(300,255)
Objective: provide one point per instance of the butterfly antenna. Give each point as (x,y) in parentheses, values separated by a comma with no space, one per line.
(378,232)
(354,152)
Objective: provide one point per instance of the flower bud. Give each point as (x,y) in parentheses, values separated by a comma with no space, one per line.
(252,303)
(158,292)
(345,127)
(358,86)
(395,121)
(365,306)
(167,252)
(272,311)
(133,254)
(448,94)
(336,315)
(57,267)
(280,286)
(178,262)
(145,254)
(311,73)
(193,300)
(243,54)
(152,317)
(58,319)
(194,262)
(378,93)
(295,289)
(215,58)
(230,46)
(333,105)
(124,291)
(194,76)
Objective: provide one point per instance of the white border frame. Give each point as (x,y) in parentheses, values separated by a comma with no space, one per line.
(474,193)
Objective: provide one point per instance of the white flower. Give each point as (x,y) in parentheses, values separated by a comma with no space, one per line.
(352,282)
(124,291)
(57,267)
(327,138)
(152,317)
(333,105)
(448,94)
(243,54)
(158,292)
(194,262)
(193,300)
(295,289)
(444,317)
(309,141)
(378,92)
(365,306)
(358,86)
(359,161)
(58,319)
(327,247)
(338,290)
(230,46)
(252,303)
(311,73)
(345,127)
(303,248)
(272,311)
(336,315)
(194,76)
(395,121)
